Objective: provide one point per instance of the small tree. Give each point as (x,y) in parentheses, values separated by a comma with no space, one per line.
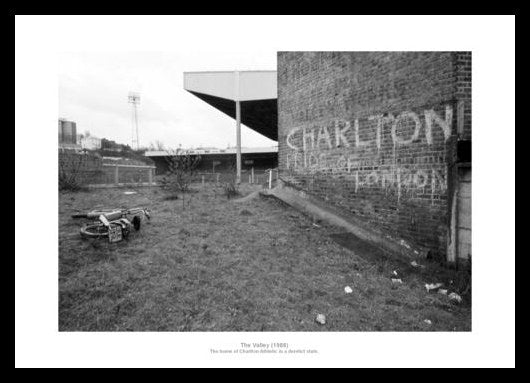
(71,167)
(182,166)
(231,187)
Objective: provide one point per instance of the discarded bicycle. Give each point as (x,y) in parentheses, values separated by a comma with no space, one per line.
(114,224)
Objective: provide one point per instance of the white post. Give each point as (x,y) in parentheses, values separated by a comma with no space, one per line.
(238,129)
(270,179)
(217,177)
(116,175)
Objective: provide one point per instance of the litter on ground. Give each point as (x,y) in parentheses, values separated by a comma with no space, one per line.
(433,286)
(396,280)
(348,290)
(442,291)
(455,297)
(427,321)
(416,264)
(129,192)
(321,319)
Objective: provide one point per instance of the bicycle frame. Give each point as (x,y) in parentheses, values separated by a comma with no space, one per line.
(113,223)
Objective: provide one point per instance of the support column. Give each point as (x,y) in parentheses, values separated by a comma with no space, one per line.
(238,129)
(238,141)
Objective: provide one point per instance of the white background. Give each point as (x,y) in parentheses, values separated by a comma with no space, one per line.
(39,40)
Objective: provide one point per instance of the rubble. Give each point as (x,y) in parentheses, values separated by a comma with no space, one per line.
(348,290)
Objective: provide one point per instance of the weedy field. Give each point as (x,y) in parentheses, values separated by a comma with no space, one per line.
(207,263)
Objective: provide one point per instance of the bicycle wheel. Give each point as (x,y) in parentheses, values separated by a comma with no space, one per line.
(96,230)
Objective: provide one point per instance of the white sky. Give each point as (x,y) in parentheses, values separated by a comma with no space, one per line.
(93,89)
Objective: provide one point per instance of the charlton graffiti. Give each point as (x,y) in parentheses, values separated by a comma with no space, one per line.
(320,138)
(339,148)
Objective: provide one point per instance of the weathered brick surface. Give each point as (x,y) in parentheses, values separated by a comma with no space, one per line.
(374,134)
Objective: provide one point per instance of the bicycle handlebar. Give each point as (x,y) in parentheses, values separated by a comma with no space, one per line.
(112,213)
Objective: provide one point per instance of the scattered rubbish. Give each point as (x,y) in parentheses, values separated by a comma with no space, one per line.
(316,225)
(348,290)
(416,264)
(396,280)
(455,297)
(442,291)
(395,273)
(321,319)
(130,192)
(427,321)
(433,286)
(403,243)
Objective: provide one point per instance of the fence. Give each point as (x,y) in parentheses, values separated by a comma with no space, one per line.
(94,173)
(124,175)
(266,177)
(89,170)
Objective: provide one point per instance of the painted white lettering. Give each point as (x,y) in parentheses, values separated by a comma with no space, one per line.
(446,124)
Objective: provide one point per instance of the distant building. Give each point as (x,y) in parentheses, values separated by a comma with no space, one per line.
(89,142)
(68,135)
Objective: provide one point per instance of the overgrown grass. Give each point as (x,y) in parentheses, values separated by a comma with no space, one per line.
(215,265)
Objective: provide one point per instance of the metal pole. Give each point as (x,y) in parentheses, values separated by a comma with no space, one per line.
(238,141)
(238,129)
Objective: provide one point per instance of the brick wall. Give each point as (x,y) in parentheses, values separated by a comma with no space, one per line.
(375,134)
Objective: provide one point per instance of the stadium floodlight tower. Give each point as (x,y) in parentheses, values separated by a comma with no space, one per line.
(134,99)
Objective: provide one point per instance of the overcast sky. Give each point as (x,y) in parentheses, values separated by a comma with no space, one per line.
(93,89)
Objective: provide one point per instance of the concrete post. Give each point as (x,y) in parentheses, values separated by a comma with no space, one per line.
(238,129)
(151,176)
(238,141)
(116,175)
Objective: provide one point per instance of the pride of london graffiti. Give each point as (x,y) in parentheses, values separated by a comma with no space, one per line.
(313,151)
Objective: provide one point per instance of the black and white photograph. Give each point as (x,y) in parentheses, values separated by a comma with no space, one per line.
(263,202)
